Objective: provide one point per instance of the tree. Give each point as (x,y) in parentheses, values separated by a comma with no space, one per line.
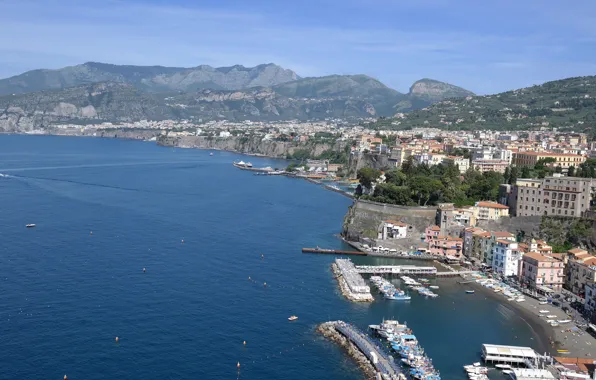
(571,171)
(423,189)
(506,175)
(367,176)
(513,175)
(390,193)
(396,177)
(526,172)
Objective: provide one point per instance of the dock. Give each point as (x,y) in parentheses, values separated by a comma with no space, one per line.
(396,270)
(498,354)
(333,251)
(382,363)
(351,283)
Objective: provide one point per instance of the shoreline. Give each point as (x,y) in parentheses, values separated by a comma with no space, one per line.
(548,337)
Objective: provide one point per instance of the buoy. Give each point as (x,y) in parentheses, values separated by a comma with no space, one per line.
(238,365)
(264,284)
(244,343)
(262,256)
(144,270)
(182,241)
(65,377)
(249,277)
(117,339)
(91,233)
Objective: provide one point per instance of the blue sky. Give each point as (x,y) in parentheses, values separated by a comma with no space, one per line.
(486,46)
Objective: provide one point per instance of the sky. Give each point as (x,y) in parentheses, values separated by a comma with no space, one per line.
(486,46)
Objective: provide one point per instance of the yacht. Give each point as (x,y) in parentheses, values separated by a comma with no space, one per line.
(292,318)
(30,225)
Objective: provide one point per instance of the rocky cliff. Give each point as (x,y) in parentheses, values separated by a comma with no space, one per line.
(249,145)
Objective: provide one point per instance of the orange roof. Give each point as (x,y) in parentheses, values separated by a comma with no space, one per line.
(539,257)
(501,234)
(492,205)
(550,154)
(557,256)
(591,261)
(435,228)
(482,234)
(576,251)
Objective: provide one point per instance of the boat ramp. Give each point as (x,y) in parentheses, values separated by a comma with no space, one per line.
(382,363)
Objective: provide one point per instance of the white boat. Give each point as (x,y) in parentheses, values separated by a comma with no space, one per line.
(564,320)
(30,225)
(434,287)
(510,299)
(211,154)
(551,316)
(502,366)
(520,299)
(544,311)
(554,324)
(543,303)
(507,371)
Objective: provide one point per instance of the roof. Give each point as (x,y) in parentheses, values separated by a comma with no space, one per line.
(533,374)
(539,257)
(577,250)
(500,234)
(491,205)
(435,228)
(550,154)
(581,364)
(495,349)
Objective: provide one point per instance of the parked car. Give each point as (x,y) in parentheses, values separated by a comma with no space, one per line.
(556,303)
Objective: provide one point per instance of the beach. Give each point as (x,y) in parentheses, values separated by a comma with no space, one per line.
(579,343)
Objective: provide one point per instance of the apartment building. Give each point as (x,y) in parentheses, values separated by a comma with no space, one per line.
(539,271)
(498,166)
(392,229)
(561,196)
(506,258)
(486,210)
(529,159)
(581,271)
(447,246)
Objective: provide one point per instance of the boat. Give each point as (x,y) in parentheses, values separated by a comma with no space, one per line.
(544,311)
(30,225)
(469,291)
(502,366)
(434,287)
(554,324)
(543,302)
(507,371)
(211,154)
(520,299)
(551,316)
(564,320)
(292,318)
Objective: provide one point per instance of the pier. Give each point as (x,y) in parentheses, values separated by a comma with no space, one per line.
(382,363)
(396,270)
(332,251)
(351,283)
(497,354)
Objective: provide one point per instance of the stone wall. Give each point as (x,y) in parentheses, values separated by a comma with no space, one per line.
(364,217)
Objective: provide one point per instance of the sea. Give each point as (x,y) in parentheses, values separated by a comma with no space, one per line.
(195,266)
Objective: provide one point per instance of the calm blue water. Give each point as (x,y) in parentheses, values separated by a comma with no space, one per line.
(65,294)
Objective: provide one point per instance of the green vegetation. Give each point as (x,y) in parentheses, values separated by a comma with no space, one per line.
(564,233)
(568,104)
(423,185)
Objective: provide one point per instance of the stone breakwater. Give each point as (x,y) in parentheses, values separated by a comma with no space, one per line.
(328,330)
(350,282)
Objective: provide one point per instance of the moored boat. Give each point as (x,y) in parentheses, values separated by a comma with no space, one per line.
(30,225)
(292,318)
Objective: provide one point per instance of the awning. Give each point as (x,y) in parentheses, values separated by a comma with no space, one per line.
(593,327)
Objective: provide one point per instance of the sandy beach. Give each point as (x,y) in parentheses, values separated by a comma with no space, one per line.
(579,343)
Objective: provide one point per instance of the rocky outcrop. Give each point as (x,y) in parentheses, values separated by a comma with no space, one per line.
(364,217)
(434,90)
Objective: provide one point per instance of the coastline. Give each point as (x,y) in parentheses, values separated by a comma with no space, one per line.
(548,338)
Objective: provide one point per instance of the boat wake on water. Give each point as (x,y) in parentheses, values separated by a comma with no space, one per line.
(5,175)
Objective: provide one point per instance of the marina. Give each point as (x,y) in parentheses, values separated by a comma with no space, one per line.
(396,270)
(406,345)
(388,290)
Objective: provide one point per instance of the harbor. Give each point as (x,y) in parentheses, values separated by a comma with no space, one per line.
(332,251)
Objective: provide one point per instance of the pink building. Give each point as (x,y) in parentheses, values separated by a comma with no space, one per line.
(447,246)
(538,270)
(431,233)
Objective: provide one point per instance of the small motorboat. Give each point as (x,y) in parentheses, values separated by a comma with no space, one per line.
(211,154)
(469,291)
(30,225)
(434,287)
(544,311)
(543,302)
(292,318)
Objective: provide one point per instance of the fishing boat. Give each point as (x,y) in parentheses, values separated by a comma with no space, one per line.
(292,318)
(30,225)
(469,291)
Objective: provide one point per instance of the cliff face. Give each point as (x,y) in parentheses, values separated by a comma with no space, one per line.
(254,145)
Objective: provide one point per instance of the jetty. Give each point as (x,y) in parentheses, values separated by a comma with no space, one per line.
(332,251)
(396,270)
(375,362)
(351,283)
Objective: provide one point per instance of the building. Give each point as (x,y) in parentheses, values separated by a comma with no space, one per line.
(492,153)
(429,159)
(529,159)
(539,271)
(431,233)
(581,271)
(590,298)
(468,247)
(334,168)
(447,246)
(498,166)
(526,197)
(486,210)
(506,258)
(391,229)
(449,217)
(462,163)
(561,196)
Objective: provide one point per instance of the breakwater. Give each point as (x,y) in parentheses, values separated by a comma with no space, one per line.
(373,361)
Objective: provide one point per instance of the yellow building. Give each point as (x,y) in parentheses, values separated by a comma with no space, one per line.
(529,159)
(490,210)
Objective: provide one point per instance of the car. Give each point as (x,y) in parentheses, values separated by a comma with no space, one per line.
(556,303)
(557,296)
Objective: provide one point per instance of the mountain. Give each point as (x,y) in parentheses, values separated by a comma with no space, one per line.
(149,78)
(94,103)
(425,92)
(566,104)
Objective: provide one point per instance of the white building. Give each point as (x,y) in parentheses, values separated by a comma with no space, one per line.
(506,258)
(590,297)
(391,229)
